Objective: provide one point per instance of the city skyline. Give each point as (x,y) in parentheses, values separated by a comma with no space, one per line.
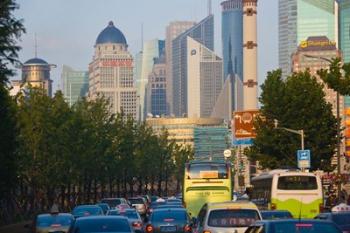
(69,40)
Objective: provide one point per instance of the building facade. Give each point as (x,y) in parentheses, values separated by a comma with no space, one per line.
(299,19)
(151,50)
(232,37)
(314,54)
(156,89)
(195,132)
(202,32)
(75,84)
(204,79)
(111,72)
(173,30)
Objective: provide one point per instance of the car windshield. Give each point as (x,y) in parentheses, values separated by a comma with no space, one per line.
(45,221)
(113,212)
(111,202)
(103,225)
(302,227)
(341,219)
(136,201)
(232,218)
(130,214)
(86,211)
(168,216)
(297,183)
(207,171)
(276,215)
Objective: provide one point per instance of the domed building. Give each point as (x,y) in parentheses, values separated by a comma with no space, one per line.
(36,73)
(111,71)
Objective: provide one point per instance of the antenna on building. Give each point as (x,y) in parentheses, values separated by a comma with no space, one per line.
(35,46)
(209,7)
(141,36)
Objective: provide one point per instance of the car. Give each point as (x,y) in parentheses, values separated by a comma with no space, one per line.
(155,205)
(275,214)
(342,219)
(134,219)
(293,226)
(98,224)
(139,204)
(173,200)
(172,220)
(87,210)
(52,222)
(105,207)
(169,206)
(227,217)
(113,202)
(113,212)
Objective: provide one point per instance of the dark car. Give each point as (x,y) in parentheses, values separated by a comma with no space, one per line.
(105,207)
(293,226)
(342,219)
(173,220)
(275,214)
(114,202)
(97,224)
(57,222)
(87,210)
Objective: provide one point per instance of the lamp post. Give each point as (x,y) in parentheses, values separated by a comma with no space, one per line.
(338,123)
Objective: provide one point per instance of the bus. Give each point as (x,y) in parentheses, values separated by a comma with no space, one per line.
(204,182)
(298,192)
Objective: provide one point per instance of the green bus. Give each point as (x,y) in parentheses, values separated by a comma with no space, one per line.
(298,192)
(206,182)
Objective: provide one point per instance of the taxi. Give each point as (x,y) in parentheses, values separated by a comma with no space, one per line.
(340,215)
(227,217)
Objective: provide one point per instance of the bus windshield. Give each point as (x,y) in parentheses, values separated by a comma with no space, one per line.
(297,183)
(207,171)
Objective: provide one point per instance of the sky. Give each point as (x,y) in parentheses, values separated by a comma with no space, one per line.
(66,30)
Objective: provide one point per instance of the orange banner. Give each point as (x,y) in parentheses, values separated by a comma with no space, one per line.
(243,124)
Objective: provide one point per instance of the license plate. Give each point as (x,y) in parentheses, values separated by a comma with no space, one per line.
(168,228)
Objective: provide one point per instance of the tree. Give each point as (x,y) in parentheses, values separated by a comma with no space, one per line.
(297,103)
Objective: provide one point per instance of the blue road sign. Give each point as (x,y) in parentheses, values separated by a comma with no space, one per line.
(242,141)
(304,158)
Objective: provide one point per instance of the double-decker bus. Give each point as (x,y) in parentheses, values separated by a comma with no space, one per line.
(204,182)
(298,192)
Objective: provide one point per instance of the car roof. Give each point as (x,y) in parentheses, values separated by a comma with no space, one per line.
(101,217)
(87,206)
(58,214)
(169,209)
(240,204)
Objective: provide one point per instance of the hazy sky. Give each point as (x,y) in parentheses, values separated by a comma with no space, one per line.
(67,29)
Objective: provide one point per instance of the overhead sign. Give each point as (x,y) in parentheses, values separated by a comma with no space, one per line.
(243,124)
(243,141)
(304,159)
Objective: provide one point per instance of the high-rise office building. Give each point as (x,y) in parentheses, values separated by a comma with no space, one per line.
(151,49)
(172,31)
(299,19)
(75,84)
(202,32)
(204,79)
(344,28)
(36,73)
(111,72)
(232,37)
(156,88)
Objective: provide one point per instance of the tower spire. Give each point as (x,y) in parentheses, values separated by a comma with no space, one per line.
(141,36)
(35,46)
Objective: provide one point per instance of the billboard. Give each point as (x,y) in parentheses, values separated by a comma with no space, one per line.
(243,124)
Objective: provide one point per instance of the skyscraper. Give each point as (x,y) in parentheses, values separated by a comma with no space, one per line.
(75,84)
(299,19)
(156,88)
(202,32)
(172,31)
(151,49)
(204,79)
(344,28)
(36,73)
(232,37)
(111,72)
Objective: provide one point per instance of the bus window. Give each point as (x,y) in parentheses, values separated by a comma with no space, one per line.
(207,171)
(297,183)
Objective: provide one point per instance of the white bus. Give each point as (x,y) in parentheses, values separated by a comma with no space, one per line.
(298,192)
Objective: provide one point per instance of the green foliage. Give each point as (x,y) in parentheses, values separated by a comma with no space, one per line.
(297,103)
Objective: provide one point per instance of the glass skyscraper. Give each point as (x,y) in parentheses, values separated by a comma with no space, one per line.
(344,28)
(299,19)
(202,32)
(232,37)
(75,84)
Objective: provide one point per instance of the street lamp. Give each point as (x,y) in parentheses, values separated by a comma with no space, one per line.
(338,123)
(300,132)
